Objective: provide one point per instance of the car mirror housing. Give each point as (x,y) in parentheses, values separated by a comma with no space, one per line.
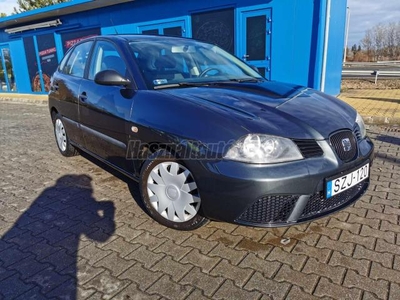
(111,77)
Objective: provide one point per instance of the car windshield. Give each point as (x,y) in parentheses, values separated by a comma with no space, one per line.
(179,62)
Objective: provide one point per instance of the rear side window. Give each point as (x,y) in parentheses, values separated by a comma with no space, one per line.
(76,60)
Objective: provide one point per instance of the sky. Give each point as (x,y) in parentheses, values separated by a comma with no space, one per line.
(364,14)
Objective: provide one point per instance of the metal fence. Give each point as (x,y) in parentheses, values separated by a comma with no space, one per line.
(380,69)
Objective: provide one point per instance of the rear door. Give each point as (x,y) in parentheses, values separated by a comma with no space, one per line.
(105,110)
(65,88)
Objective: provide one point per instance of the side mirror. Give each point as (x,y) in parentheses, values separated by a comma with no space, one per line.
(111,77)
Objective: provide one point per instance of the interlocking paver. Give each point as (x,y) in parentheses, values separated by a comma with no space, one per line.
(306,281)
(198,259)
(296,261)
(229,291)
(143,277)
(169,289)
(386,259)
(235,273)
(277,290)
(107,284)
(362,266)
(335,291)
(377,287)
(233,255)
(333,273)
(209,284)
(267,268)
(68,228)
(321,255)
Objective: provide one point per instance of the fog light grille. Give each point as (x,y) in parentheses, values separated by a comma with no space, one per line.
(269,209)
(319,205)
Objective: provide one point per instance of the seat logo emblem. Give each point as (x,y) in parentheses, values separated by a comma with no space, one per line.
(346,144)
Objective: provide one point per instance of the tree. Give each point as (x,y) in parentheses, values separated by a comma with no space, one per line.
(25,5)
(383,41)
(368,43)
(3,15)
(354,49)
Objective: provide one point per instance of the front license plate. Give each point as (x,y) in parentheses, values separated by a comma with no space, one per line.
(344,182)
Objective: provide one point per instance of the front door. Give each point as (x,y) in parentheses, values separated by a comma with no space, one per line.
(255,39)
(104,111)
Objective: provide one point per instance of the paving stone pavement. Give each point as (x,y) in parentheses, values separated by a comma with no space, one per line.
(375,106)
(71,230)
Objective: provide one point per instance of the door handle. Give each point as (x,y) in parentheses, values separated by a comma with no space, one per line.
(83,97)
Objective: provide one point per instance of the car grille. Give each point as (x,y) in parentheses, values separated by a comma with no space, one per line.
(275,210)
(269,209)
(337,144)
(309,148)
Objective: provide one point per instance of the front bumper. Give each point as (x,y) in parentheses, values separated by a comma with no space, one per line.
(276,195)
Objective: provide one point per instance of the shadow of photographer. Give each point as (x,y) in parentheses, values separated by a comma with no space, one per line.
(38,254)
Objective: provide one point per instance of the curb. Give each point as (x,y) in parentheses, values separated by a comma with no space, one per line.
(30,100)
(375,120)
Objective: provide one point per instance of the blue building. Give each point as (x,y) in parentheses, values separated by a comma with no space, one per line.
(296,41)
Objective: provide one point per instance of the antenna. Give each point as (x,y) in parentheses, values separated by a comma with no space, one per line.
(115,29)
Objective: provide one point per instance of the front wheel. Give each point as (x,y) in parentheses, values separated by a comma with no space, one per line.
(62,139)
(170,193)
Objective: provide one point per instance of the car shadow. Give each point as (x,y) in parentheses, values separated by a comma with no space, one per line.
(377,99)
(388,139)
(133,186)
(38,254)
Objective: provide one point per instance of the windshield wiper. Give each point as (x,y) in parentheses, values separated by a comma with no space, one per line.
(182,84)
(207,83)
(240,80)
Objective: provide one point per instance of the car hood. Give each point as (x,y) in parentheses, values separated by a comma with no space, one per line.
(274,108)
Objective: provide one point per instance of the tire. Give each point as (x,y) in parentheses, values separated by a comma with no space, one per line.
(170,193)
(62,140)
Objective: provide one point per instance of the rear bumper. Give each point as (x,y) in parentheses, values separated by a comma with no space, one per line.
(276,195)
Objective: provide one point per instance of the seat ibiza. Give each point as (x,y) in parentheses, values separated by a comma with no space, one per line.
(205,135)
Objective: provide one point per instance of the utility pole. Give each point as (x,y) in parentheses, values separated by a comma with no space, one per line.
(347,35)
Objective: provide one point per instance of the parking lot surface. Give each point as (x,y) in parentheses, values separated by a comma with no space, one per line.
(71,230)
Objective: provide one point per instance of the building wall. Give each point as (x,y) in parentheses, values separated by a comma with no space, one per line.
(295,41)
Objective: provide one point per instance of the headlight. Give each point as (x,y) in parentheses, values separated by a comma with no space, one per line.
(361,125)
(263,149)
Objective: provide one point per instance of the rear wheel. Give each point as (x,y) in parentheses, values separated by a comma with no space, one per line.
(61,136)
(170,192)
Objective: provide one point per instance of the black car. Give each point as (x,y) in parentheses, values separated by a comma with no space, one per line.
(205,135)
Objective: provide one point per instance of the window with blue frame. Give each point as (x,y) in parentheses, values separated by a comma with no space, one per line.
(215,27)
(41,56)
(33,67)
(7,79)
(47,57)
(170,28)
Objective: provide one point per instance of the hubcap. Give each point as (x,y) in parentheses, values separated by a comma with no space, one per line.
(173,192)
(61,136)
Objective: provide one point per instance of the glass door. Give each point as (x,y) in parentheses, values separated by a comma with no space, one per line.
(7,79)
(255,39)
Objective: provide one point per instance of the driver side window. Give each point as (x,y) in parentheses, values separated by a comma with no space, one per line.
(106,57)
(76,60)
